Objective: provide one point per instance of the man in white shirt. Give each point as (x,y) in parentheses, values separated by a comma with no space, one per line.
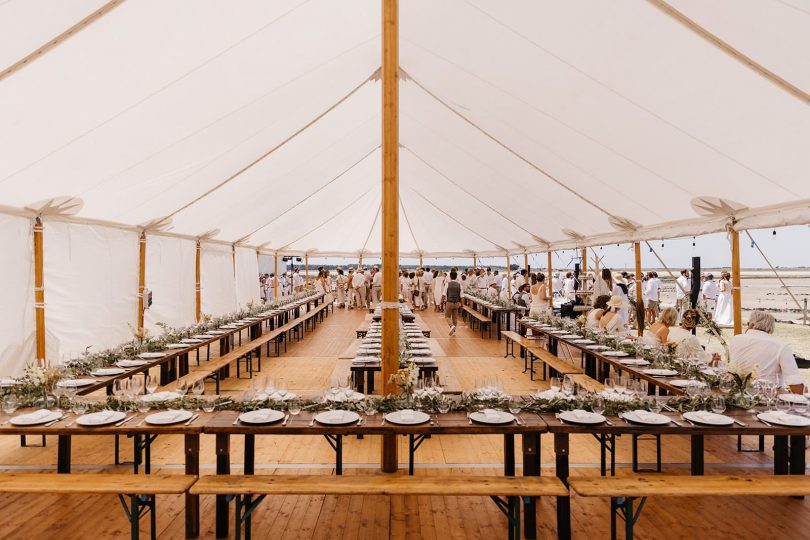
(708,294)
(481,282)
(427,288)
(774,358)
(568,286)
(520,279)
(297,281)
(682,291)
(556,284)
(653,296)
(359,288)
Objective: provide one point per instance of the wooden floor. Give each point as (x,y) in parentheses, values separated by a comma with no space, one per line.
(307,367)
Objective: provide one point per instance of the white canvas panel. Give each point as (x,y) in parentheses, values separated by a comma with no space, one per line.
(247,277)
(17,319)
(91,287)
(170,275)
(217,282)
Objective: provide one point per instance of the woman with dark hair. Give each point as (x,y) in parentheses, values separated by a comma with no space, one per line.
(599,307)
(539,295)
(603,284)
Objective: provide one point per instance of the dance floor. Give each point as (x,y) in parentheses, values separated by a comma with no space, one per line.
(309,365)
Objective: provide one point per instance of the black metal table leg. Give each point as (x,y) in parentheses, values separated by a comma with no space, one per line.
(531,467)
(63,457)
(250,460)
(697,455)
(192,451)
(561,442)
(223,448)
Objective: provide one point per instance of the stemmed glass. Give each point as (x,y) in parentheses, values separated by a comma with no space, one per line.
(181,388)
(555,384)
(58,391)
(152,383)
(198,389)
(136,386)
(598,405)
(568,385)
(294,408)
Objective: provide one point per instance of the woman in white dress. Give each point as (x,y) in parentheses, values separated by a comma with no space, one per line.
(340,288)
(438,291)
(611,322)
(620,289)
(539,293)
(724,312)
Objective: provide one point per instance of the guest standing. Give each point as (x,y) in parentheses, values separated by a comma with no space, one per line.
(724,313)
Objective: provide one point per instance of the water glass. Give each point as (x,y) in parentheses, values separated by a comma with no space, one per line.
(152,383)
(181,388)
(294,407)
(783,405)
(718,404)
(655,405)
(609,384)
(443,406)
(515,405)
(208,404)
(598,405)
(555,384)
(79,406)
(10,404)
(143,405)
(119,387)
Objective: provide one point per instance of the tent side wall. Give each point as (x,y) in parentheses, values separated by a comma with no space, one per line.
(247,277)
(17,328)
(170,278)
(218,289)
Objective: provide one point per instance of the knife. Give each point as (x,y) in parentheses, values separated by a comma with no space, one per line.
(190,420)
(124,421)
(52,422)
(675,422)
(739,423)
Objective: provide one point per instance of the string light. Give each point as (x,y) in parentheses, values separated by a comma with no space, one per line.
(693,241)
(774,232)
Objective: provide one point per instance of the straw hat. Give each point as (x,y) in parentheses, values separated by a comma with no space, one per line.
(618,279)
(615,302)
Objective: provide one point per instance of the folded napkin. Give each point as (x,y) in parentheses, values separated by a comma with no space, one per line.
(37,415)
(491,414)
(406,414)
(336,416)
(645,416)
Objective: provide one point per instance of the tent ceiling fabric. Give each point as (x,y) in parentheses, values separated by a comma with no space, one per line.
(519,120)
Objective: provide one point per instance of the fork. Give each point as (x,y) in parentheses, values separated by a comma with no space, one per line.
(312,422)
(360,420)
(284,423)
(557,416)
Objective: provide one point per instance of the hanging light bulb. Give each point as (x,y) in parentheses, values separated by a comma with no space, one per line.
(693,241)
(774,232)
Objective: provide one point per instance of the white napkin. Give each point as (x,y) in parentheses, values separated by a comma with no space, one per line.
(491,414)
(406,415)
(645,416)
(336,416)
(38,415)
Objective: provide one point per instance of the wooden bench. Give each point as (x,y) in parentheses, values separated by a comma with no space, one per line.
(141,490)
(480,318)
(624,491)
(250,490)
(536,353)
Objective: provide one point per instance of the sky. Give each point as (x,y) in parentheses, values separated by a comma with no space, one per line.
(788,248)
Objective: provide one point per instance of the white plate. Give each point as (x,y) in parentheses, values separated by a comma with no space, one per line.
(645,417)
(660,372)
(708,418)
(152,355)
(217,332)
(582,417)
(108,372)
(615,354)
(101,418)
(571,336)
(42,416)
(419,346)
(229,327)
(584,341)
(339,398)
(202,336)
(131,363)
(683,383)
(490,416)
(337,418)
(261,416)
(407,417)
(160,396)
(598,348)
(165,418)
(276,396)
(634,362)
(177,346)
(191,340)
(5,383)
(424,360)
(793,398)
(420,352)
(76,383)
(784,419)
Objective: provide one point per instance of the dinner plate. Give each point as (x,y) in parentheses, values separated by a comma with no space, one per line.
(571,336)
(337,418)
(202,336)
(407,417)
(597,348)
(5,383)
(165,418)
(152,355)
(341,397)
(683,383)
(424,360)
(615,354)
(708,418)
(217,332)
(42,416)
(160,396)
(646,418)
(419,346)
(177,346)
(420,352)
(131,363)
(229,326)
(793,398)
(784,419)
(101,418)
(584,341)
(659,372)
(634,362)
(75,383)
(261,416)
(582,417)
(191,340)
(491,416)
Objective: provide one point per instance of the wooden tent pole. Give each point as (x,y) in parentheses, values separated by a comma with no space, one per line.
(198,304)
(390,215)
(306,270)
(639,293)
(275,273)
(141,279)
(420,260)
(509,276)
(475,262)
(735,281)
(39,292)
(584,260)
(550,285)
(526,262)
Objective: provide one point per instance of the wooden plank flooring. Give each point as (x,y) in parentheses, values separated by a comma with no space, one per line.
(307,367)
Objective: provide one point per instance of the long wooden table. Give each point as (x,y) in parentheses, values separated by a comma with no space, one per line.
(496,313)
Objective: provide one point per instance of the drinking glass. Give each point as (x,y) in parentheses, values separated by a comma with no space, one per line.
(58,391)
(718,405)
(281,388)
(10,404)
(655,405)
(198,389)
(555,384)
(119,387)
(783,405)
(609,384)
(294,407)
(802,407)
(79,406)
(443,405)
(598,405)
(208,404)
(181,388)
(143,405)
(568,385)
(515,405)
(152,383)
(136,386)
(620,384)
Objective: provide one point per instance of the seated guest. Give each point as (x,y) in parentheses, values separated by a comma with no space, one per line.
(599,306)
(611,321)
(757,347)
(659,331)
(688,345)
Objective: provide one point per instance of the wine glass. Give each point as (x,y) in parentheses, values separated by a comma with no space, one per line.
(198,389)
(181,388)
(152,383)
(620,384)
(136,386)
(609,384)
(718,404)
(10,404)
(598,405)
(568,385)
(515,406)
(555,384)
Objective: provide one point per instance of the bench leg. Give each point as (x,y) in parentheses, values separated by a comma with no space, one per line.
(511,509)
(137,507)
(623,507)
(244,510)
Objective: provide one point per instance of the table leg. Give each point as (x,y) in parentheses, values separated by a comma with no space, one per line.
(223,447)
(509,454)
(496,317)
(339,454)
(797,458)
(780,455)
(249,467)
(192,448)
(63,457)
(531,467)
(369,382)
(697,455)
(561,441)
(359,381)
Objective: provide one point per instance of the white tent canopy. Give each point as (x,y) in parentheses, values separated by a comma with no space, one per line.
(525,126)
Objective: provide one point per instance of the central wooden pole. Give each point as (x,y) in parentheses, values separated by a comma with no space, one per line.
(475,262)
(390,214)
(198,304)
(585,261)
(735,281)
(306,270)
(39,292)
(526,262)
(141,279)
(550,284)
(275,273)
(639,294)
(509,276)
